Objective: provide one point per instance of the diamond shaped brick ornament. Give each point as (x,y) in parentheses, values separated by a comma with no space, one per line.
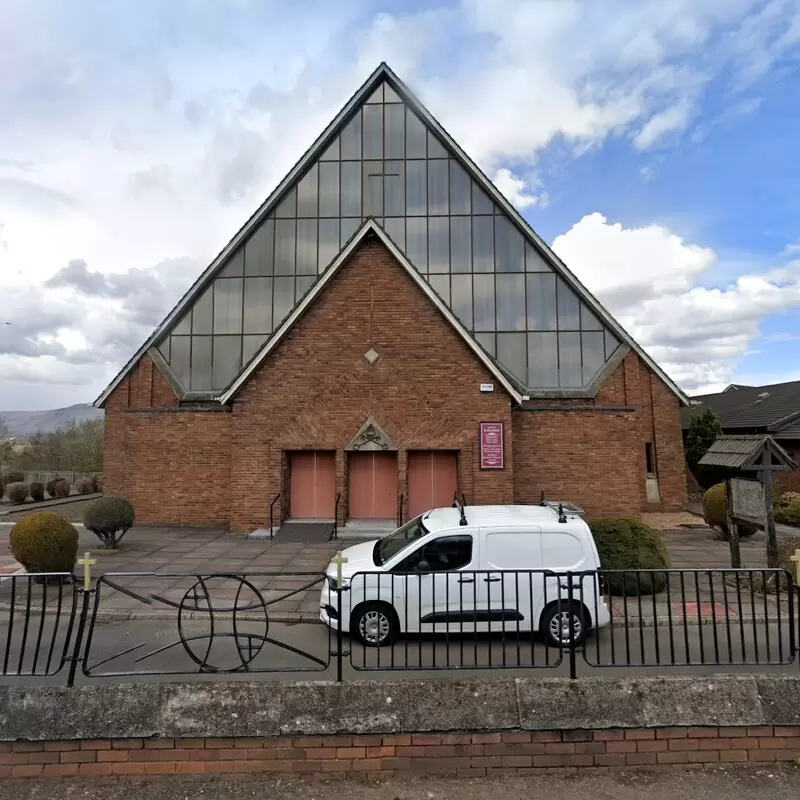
(371,355)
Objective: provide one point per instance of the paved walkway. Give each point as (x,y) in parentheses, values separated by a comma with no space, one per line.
(288,576)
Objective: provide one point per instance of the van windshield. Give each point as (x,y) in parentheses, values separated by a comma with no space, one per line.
(388,547)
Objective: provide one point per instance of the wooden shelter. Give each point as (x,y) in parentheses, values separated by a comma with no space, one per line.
(751,461)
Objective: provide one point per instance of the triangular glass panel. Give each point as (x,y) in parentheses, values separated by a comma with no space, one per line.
(390,95)
(384,162)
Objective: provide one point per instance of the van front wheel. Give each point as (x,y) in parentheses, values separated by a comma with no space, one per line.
(374,624)
(564,625)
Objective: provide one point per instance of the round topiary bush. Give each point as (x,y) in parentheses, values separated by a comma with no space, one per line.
(17,492)
(787,508)
(37,491)
(50,486)
(109,518)
(44,542)
(629,544)
(85,486)
(715,508)
(13,476)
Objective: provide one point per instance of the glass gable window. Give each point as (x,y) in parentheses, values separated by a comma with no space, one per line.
(385,163)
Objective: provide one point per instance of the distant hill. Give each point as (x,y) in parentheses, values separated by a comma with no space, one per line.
(25,423)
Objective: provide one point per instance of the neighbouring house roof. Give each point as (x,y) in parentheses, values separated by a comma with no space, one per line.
(774,408)
(736,452)
(606,333)
(734,387)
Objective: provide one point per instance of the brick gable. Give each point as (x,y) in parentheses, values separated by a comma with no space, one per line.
(184,465)
(316,388)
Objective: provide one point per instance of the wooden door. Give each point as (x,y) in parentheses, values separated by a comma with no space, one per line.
(432,480)
(312,484)
(373,485)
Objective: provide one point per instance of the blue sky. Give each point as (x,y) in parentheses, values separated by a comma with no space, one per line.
(652,143)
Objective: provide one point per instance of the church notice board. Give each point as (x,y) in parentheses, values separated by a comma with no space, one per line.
(491,440)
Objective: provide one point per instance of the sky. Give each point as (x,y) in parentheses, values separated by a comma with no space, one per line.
(651,143)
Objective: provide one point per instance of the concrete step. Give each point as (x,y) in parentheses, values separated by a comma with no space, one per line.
(367,528)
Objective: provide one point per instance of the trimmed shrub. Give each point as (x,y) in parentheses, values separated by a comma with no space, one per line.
(37,491)
(98,482)
(715,509)
(58,487)
(787,508)
(45,542)
(630,544)
(109,518)
(13,476)
(85,486)
(17,492)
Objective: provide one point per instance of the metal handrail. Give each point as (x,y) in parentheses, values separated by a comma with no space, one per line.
(335,529)
(271,506)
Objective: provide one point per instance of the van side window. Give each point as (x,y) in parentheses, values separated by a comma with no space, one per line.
(562,551)
(444,554)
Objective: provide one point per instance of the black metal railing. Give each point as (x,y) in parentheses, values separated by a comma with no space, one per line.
(271,523)
(335,528)
(38,624)
(215,623)
(433,619)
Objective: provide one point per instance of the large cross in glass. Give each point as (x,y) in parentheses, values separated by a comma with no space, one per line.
(374,199)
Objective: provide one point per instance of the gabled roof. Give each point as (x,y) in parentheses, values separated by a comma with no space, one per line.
(734,387)
(384,73)
(370,226)
(741,452)
(773,408)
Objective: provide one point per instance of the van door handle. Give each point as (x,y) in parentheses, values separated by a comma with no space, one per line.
(466,580)
(492,580)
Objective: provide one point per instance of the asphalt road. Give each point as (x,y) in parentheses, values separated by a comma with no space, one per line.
(743,784)
(142,649)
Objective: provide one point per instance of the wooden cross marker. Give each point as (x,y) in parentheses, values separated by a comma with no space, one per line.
(340,561)
(87,562)
(796,560)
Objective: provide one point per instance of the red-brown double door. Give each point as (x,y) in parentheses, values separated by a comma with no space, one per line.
(373,484)
(432,480)
(312,484)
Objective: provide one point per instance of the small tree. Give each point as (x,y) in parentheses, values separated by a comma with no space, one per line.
(109,518)
(704,430)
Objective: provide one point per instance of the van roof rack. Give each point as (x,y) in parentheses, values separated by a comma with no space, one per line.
(457,504)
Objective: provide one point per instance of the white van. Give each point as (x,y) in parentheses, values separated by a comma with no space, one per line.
(472,569)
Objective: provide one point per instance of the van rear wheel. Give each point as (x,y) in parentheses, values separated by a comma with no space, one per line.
(374,624)
(564,625)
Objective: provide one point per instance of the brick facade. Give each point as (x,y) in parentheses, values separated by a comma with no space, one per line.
(378,757)
(180,465)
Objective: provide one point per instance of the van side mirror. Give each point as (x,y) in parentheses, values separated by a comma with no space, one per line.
(423,566)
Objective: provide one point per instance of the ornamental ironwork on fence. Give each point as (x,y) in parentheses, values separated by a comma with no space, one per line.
(261,624)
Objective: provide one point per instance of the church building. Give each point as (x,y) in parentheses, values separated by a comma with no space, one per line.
(384,333)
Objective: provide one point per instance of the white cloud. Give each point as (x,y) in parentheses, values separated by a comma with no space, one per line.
(670,120)
(648,278)
(152,132)
(516,190)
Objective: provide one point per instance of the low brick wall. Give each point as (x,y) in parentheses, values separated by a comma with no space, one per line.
(462,754)
(388,728)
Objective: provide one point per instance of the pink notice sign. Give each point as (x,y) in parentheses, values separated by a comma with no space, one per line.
(492,445)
